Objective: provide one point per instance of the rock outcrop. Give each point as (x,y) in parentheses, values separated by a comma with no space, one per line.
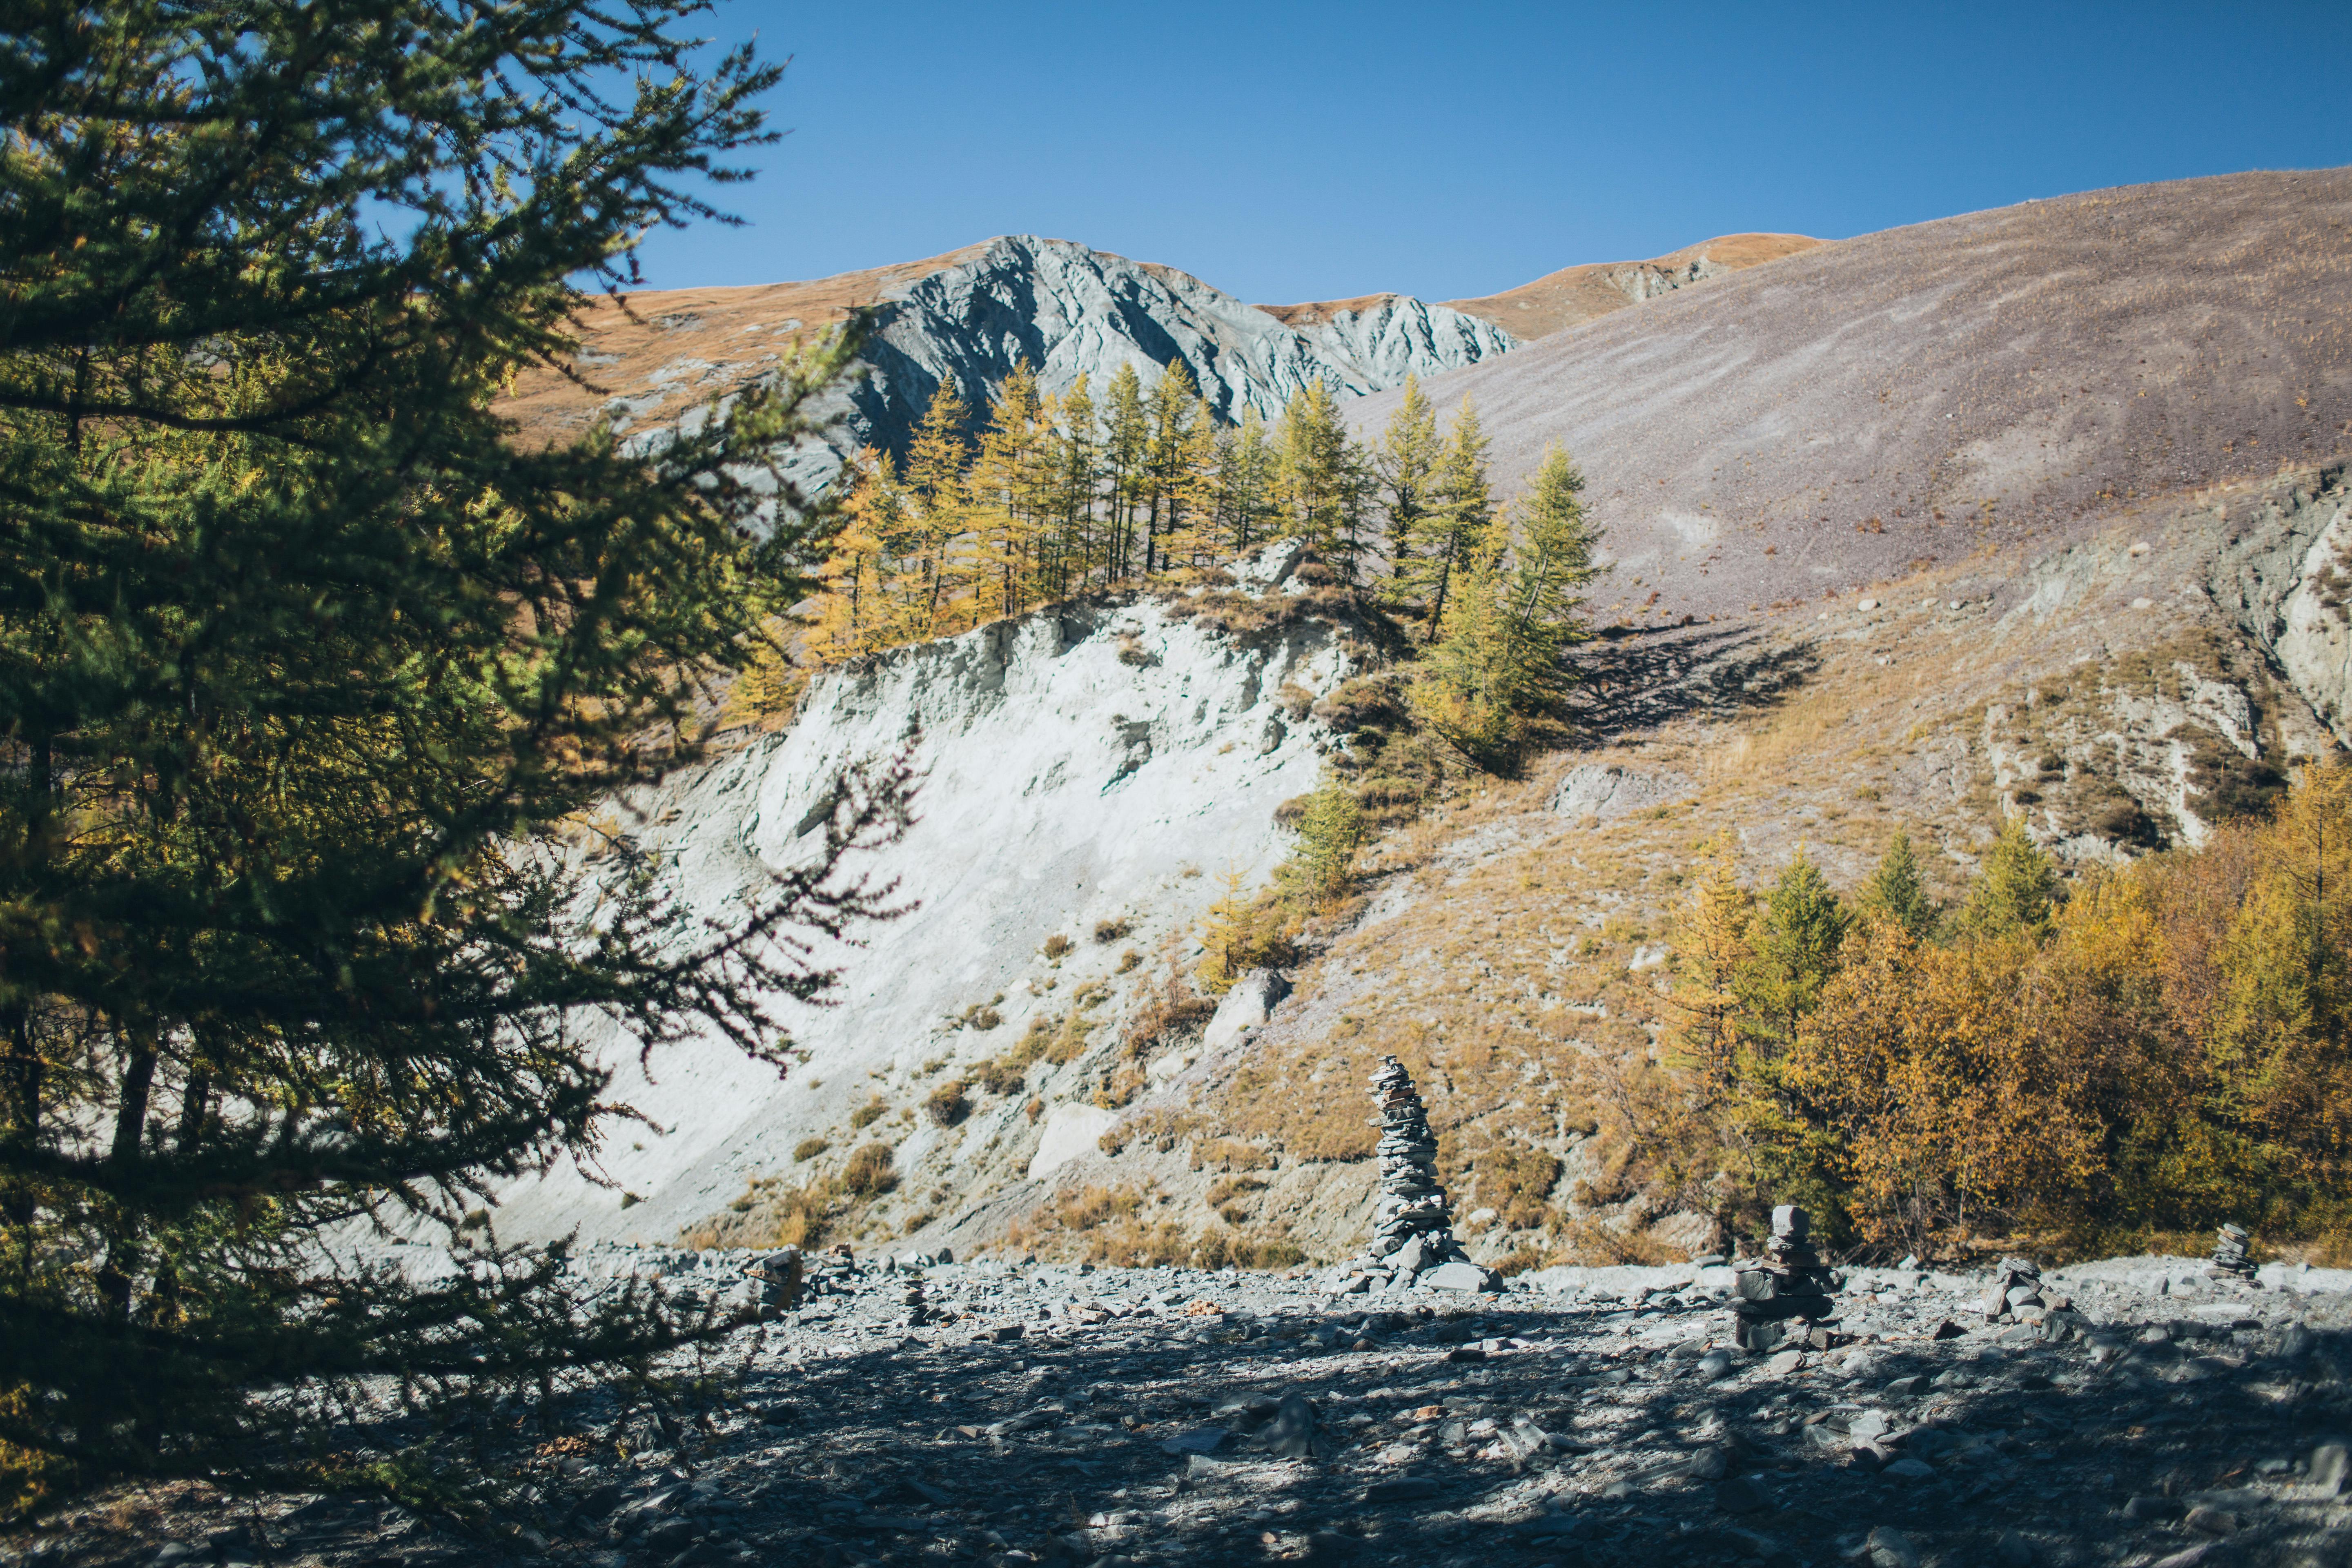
(968,317)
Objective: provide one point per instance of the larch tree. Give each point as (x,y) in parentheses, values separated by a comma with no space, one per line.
(1170,478)
(1246,500)
(1322,478)
(304,665)
(939,514)
(1408,463)
(1075,454)
(1513,618)
(1126,458)
(1445,532)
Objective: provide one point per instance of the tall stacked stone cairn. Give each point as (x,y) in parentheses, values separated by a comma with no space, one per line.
(2229,1254)
(1411,1228)
(1785,1299)
(1413,1237)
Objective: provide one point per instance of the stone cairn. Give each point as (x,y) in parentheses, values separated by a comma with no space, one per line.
(2230,1254)
(1783,1299)
(2014,1294)
(1410,1231)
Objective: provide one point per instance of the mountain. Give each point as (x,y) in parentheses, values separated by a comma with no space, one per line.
(1854,412)
(1575,295)
(2037,514)
(969,317)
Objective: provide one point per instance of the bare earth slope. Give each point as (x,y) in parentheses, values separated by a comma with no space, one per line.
(1575,295)
(1911,398)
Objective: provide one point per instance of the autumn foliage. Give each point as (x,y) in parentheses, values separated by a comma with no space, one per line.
(2161,1049)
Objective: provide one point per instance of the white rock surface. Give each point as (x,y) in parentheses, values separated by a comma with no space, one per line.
(1061,787)
(1244,1008)
(1071,1130)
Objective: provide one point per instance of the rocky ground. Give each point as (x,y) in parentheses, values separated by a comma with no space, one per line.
(1047,1414)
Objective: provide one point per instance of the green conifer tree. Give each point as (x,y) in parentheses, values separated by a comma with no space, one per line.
(1243,484)
(2016,887)
(1800,929)
(306,662)
(1323,479)
(1898,891)
(1077,487)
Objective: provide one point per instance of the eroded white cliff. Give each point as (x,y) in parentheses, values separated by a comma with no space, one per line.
(1080,766)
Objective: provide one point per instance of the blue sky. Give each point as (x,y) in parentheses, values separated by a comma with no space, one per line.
(1300,151)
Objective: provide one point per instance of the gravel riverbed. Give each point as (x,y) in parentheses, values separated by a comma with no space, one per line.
(1029,1413)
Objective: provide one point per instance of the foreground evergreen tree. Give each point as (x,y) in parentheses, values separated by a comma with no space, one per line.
(304,667)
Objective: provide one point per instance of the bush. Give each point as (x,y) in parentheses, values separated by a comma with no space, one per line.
(1109,932)
(1057,945)
(867,1114)
(997,1075)
(808,1149)
(948,1104)
(868,1172)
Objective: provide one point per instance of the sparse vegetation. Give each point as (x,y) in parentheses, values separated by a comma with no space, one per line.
(808,1149)
(867,1114)
(948,1104)
(868,1172)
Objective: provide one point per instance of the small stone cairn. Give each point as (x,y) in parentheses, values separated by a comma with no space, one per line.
(2229,1254)
(1412,1233)
(1784,1300)
(2014,1294)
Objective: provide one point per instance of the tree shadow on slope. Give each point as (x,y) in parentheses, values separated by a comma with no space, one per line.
(1638,680)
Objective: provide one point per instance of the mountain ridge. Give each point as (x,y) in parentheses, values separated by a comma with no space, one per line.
(968,317)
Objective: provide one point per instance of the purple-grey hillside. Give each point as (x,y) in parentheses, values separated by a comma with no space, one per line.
(1840,416)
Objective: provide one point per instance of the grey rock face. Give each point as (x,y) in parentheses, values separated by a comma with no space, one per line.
(1071,311)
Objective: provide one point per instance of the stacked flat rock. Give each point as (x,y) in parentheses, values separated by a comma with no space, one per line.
(2014,1294)
(2229,1254)
(1413,1237)
(1783,1299)
(1410,1228)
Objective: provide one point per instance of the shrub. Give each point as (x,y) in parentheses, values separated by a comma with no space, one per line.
(1109,932)
(997,1075)
(1057,945)
(867,1114)
(1128,960)
(868,1172)
(948,1103)
(809,1149)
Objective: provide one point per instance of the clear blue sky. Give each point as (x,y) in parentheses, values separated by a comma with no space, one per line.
(1300,151)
